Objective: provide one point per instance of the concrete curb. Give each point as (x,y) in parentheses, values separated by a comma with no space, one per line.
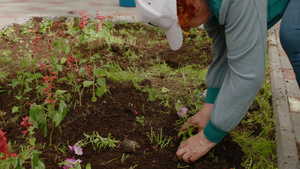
(286,145)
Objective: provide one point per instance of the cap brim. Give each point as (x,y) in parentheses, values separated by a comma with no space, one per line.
(174,36)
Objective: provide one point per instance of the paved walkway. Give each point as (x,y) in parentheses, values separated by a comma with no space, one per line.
(286,102)
(286,95)
(18,11)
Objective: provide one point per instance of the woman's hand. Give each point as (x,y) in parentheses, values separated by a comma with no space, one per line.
(194,148)
(200,119)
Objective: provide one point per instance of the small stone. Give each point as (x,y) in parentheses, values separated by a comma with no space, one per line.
(129,145)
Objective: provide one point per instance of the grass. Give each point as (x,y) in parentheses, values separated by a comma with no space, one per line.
(259,144)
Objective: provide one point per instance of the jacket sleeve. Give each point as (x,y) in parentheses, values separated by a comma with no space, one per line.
(238,69)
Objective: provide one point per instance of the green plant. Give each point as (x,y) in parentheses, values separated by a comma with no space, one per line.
(100,83)
(130,55)
(186,133)
(124,157)
(11,160)
(132,167)
(71,28)
(141,120)
(46,24)
(160,140)
(22,83)
(97,141)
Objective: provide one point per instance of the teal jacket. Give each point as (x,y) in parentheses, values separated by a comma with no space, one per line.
(276,9)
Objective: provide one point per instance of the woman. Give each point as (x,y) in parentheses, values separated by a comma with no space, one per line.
(238,29)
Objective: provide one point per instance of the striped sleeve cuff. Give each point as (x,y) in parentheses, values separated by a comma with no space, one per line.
(211,95)
(213,134)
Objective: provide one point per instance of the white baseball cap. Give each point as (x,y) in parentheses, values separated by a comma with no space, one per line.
(162,14)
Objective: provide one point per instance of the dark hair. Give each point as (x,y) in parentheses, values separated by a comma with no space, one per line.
(185,10)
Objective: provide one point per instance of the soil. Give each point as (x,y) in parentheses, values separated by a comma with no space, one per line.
(116,111)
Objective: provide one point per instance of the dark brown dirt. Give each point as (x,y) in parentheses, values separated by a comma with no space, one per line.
(112,113)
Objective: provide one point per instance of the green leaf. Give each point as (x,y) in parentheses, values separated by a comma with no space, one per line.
(59,67)
(82,61)
(101,82)
(62,79)
(67,49)
(88,166)
(94,99)
(40,89)
(18,163)
(2,76)
(33,115)
(15,82)
(36,115)
(15,109)
(63,60)
(97,55)
(88,83)
(37,75)
(92,59)
(58,92)
(82,70)
(100,91)
(61,113)
(44,127)
(62,106)
(57,118)
(100,72)
(29,79)
(55,61)
(78,166)
(36,162)
(164,90)
(32,141)
(27,90)
(18,97)
(55,44)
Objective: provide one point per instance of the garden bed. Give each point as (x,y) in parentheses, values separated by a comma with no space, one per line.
(107,81)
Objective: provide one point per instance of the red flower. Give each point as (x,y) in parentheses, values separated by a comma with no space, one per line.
(4,146)
(101,18)
(134,111)
(56,24)
(24,132)
(83,22)
(89,69)
(25,123)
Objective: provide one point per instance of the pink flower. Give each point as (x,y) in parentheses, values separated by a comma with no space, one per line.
(182,112)
(77,149)
(71,163)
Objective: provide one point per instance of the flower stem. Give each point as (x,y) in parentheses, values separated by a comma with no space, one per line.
(51,134)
